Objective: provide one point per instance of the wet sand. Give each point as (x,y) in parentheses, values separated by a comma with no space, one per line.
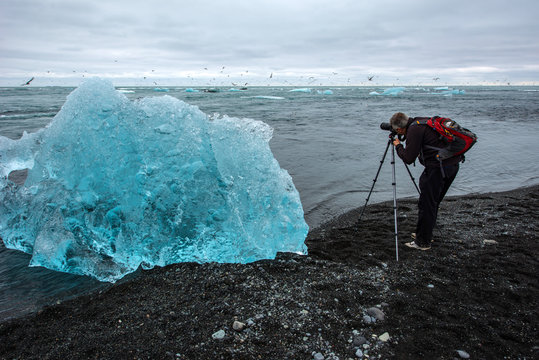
(475,291)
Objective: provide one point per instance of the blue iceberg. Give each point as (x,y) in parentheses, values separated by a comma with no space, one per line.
(390,91)
(451,92)
(325,92)
(114,184)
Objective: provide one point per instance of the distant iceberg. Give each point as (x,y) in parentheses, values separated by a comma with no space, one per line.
(303,90)
(390,91)
(114,185)
(190,90)
(325,92)
(161,90)
(267,97)
(450,92)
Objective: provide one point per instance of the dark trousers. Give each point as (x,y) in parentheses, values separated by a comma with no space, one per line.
(433,186)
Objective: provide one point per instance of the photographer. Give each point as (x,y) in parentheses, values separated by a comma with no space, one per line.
(424,143)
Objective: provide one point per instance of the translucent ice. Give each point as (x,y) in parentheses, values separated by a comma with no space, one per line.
(325,92)
(452,92)
(303,90)
(113,185)
(267,97)
(390,91)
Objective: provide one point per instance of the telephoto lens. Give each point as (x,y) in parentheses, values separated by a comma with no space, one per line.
(386,126)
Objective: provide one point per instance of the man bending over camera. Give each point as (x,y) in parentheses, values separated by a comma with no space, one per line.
(423,142)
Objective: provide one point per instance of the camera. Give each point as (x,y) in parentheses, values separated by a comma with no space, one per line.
(386,126)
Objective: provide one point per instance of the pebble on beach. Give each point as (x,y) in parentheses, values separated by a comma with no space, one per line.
(238,326)
(219,335)
(376,313)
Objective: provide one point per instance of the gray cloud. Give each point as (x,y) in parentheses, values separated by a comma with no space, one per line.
(412,40)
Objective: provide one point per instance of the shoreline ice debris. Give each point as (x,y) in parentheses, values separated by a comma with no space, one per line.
(113,185)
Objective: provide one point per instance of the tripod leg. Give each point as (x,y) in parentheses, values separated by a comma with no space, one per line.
(395,203)
(375,178)
(412,177)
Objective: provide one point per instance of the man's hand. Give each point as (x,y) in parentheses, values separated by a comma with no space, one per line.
(396,142)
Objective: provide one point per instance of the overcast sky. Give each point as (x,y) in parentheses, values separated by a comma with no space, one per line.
(259,42)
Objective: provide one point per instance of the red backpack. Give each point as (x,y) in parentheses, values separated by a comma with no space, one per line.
(458,139)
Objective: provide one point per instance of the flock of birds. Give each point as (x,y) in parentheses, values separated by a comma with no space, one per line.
(310,80)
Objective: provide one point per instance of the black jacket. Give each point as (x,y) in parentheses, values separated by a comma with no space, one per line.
(418,140)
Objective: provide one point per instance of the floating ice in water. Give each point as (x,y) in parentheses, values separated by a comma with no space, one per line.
(325,92)
(449,92)
(390,91)
(267,97)
(161,90)
(453,92)
(233,89)
(114,184)
(305,90)
(441,88)
(126,91)
(191,90)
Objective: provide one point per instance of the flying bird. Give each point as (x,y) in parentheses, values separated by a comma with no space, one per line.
(436,78)
(28,82)
(370,77)
(271,75)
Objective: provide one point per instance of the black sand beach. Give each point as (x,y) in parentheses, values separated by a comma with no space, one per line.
(475,291)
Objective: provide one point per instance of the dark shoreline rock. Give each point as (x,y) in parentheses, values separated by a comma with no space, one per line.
(463,294)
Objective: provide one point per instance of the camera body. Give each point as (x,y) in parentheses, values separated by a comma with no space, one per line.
(387,126)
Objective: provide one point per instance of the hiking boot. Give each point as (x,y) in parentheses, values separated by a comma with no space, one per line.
(413,245)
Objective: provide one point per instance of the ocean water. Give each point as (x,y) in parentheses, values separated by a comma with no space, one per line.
(331,144)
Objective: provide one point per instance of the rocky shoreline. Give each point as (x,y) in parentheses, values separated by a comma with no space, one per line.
(473,295)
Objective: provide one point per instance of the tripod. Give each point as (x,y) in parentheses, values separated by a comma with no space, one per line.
(390,141)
